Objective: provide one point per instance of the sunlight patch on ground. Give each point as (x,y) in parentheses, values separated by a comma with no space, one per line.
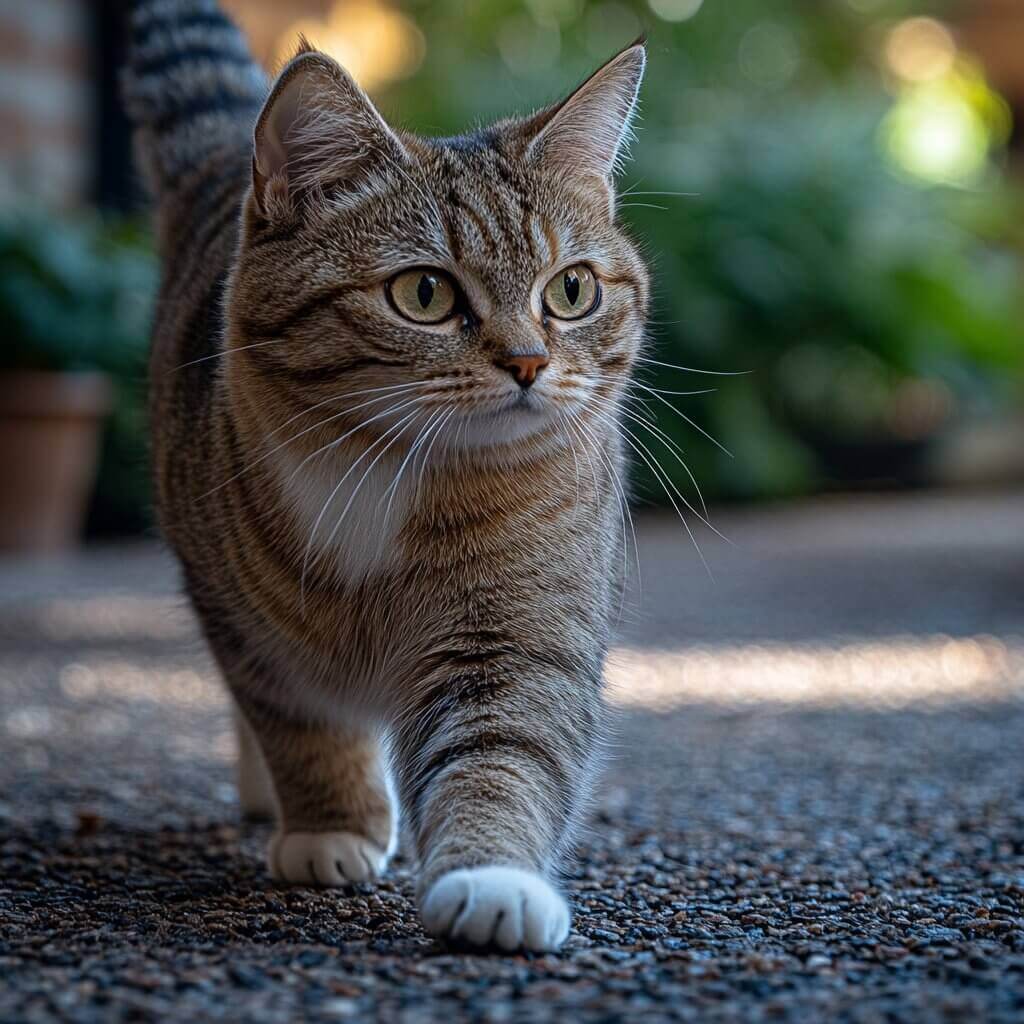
(932,671)
(113,617)
(128,680)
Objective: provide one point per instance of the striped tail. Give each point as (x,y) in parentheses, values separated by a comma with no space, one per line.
(191,88)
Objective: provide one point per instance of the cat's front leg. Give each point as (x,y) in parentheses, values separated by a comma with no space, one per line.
(336,820)
(493,763)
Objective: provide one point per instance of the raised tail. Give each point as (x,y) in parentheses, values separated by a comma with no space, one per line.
(191,88)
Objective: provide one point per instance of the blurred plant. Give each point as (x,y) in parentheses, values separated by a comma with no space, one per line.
(76,293)
(868,307)
(781,195)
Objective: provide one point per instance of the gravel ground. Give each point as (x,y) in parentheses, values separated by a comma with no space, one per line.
(814,811)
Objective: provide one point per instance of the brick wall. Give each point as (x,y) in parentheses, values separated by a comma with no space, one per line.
(46,102)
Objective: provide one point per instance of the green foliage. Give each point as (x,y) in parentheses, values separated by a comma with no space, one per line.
(75,292)
(863,306)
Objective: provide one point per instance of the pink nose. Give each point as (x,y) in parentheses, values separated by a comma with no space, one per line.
(523,368)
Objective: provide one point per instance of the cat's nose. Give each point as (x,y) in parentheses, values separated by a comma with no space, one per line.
(524,368)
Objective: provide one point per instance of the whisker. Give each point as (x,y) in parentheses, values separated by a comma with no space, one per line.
(410,454)
(668,486)
(426,455)
(649,206)
(674,450)
(632,191)
(225,352)
(624,509)
(288,441)
(391,388)
(666,391)
(572,422)
(703,518)
(575,462)
(671,445)
(682,415)
(685,195)
(665,438)
(691,369)
(306,564)
(404,404)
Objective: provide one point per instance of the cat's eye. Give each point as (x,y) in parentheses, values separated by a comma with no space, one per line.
(423,295)
(572,293)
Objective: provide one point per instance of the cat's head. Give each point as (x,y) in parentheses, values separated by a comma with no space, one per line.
(477,287)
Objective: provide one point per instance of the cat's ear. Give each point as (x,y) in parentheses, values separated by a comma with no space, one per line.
(317,129)
(588,132)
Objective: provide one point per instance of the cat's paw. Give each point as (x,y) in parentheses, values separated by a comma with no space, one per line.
(496,906)
(325,858)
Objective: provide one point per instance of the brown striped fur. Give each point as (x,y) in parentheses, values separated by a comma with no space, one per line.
(451,633)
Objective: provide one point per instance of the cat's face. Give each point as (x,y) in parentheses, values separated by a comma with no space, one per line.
(477,288)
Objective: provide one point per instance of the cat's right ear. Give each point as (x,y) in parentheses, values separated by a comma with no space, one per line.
(317,129)
(587,132)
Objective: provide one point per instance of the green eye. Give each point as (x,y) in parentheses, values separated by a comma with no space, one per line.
(572,293)
(425,296)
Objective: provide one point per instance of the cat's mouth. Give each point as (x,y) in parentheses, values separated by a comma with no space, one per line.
(495,407)
(525,401)
(506,421)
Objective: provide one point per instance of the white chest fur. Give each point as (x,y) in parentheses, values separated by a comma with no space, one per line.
(351,511)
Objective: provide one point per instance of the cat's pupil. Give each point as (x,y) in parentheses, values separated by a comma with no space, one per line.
(572,288)
(425,291)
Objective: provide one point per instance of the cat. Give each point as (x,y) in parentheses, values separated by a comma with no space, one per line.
(386,377)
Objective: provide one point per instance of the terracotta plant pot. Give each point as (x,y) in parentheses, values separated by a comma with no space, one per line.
(49,438)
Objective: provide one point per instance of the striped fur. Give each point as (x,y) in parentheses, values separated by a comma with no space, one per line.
(406,567)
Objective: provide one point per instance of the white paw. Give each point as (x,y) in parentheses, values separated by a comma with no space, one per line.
(325,858)
(496,906)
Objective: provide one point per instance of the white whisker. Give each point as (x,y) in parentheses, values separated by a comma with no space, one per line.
(410,454)
(390,411)
(697,427)
(225,352)
(624,511)
(426,455)
(288,441)
(330,498)
(667,485)
(691,369)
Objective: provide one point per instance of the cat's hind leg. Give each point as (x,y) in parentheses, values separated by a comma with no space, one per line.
(336,821)
(255,787)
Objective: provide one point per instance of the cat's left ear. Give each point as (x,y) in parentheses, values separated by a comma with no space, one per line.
(589,131)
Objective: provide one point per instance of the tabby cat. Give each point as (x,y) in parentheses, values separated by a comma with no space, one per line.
(386,377)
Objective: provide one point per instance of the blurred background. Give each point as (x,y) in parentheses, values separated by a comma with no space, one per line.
(829,191)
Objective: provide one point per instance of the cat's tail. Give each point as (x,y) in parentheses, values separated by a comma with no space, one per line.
(191,88)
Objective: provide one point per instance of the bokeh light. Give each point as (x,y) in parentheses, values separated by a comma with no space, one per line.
(675,10)
(769,54)
(946,120)
(376,44)
(526,47)
(920,49)
(608,27)
(937,136)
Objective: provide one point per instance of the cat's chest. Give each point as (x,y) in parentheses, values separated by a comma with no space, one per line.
(349,513)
